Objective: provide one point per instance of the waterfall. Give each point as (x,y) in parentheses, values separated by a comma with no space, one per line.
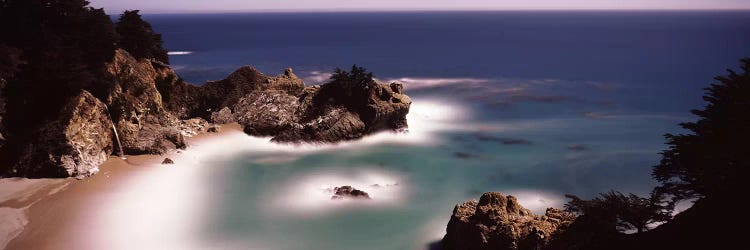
(114,128)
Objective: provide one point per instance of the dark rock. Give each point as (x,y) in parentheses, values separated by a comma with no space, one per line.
(464,155)
(578,147)
(282,108)
(506,141)
(348,192)
(213,129)
(73,145)
(167,161)
(499,222)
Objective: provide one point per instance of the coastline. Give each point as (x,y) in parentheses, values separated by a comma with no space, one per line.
(53,209)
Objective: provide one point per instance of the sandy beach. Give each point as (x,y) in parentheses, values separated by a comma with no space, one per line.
(54,209)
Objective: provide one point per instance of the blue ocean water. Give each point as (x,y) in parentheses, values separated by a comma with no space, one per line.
(537,104)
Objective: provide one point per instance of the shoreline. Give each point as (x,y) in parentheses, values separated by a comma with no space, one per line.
(54,209)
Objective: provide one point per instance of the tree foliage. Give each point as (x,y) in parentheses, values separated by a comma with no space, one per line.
(10,61)
(357,79)
(64,44)
(349,88)
(614,210)
(714,157)
(138,38)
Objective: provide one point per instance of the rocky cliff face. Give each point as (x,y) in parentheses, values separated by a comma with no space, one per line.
(73,145)
(153,110)
(497,221)
(144,125)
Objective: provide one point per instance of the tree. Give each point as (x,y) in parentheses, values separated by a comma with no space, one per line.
(64,44)
(10,61)
(138,38)
(714,158)
(352,87)
(623,212)
(355,80)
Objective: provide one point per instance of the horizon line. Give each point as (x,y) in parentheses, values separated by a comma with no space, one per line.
(354,10)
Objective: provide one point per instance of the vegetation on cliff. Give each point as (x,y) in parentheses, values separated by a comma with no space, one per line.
(705,165)
(51,51)
(138,38)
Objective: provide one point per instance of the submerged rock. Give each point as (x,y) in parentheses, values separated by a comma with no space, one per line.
(348,192)
(73,145)
(497,221)
(213,129)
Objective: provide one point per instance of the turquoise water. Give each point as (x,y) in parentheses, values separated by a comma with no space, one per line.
(276,197)
(535,104)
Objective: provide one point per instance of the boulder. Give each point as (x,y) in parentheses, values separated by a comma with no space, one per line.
(73,145)
(349,192)
(167,161)
(192,127)
(223,116)
(497,221)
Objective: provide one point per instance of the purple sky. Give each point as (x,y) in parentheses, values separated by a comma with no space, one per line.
(189,6)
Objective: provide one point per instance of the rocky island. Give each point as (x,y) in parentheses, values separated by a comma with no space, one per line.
(497,221)
(148,109)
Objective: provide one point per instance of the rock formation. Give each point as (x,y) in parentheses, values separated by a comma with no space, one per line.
(73,145)
(144,125)
(348,192)
(283,108)
(153,110)
(167,161)
(499,222)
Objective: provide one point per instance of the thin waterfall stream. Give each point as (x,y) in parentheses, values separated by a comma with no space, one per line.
(117,137)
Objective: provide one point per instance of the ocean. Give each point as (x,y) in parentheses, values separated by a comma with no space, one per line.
(534,104)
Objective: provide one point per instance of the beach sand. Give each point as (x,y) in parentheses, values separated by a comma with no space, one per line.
(44,213)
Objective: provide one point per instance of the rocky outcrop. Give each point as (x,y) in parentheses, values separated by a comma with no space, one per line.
(144,125)
(73,145)
(282,108)
(153,110)
(497,221)
(342,192)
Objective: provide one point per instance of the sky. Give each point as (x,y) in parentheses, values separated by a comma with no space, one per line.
(217,6)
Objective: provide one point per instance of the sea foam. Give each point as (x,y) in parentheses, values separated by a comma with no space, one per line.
(179,53)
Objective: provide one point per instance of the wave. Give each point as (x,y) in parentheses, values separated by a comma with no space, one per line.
(317,77)
(166,207)
(179,53)
(422,83)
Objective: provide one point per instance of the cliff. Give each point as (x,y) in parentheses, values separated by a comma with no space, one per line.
(153,110)
(497,221)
